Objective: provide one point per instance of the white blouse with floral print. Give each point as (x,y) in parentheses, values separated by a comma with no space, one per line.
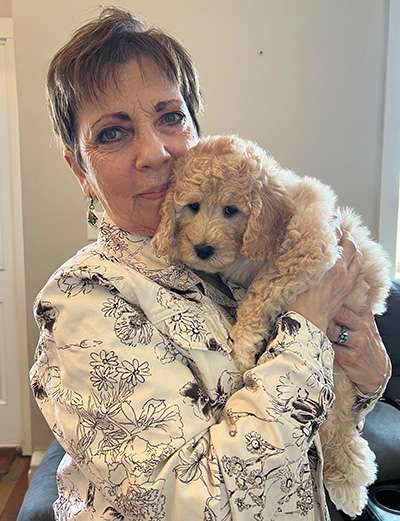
(134,375)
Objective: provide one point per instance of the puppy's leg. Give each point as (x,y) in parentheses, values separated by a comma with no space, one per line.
(254,317)
(349,464)
(266,298)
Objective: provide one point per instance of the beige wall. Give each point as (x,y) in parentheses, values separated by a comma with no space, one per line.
(314,98)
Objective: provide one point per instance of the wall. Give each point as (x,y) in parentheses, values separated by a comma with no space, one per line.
(305,79)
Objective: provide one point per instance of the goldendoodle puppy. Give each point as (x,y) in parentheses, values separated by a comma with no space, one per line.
(233,209)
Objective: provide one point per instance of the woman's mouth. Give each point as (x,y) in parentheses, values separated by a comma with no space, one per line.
(158,192)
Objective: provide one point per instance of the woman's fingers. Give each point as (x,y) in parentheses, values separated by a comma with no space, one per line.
(346,317)
(350,262)
(320,304)
(354,269)
(335,221)
(349,249)
(334,330)
(363,356)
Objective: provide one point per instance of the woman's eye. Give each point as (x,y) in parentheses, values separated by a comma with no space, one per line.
(173,118)
(194,207)
(108,135)
(228,211)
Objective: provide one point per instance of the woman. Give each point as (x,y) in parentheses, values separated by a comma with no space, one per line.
(133,370)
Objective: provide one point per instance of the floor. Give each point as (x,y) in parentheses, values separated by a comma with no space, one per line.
(13,482)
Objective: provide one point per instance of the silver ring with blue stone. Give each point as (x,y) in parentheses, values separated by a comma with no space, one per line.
(343,335)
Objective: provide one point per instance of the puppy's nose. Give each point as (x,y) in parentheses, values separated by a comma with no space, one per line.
(204,251)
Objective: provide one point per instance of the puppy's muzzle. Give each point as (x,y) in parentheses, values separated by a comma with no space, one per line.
(204,251)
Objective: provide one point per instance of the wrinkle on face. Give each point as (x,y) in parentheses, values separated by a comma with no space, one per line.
(120,171)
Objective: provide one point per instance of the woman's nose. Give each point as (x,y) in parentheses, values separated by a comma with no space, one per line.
(151,152)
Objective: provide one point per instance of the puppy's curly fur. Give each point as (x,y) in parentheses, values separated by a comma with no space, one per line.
(234,210)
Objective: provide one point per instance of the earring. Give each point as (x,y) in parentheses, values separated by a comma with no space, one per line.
(91,216)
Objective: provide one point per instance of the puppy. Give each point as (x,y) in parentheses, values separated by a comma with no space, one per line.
(232,209)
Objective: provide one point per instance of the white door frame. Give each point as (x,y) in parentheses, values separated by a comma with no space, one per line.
(6,34)
(390,170)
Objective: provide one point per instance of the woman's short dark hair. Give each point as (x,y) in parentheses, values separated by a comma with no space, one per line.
(82,68)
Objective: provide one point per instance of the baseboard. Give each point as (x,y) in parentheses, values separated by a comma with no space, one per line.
(37,457)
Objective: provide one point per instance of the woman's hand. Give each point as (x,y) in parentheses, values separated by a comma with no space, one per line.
(363,357)
(322,303)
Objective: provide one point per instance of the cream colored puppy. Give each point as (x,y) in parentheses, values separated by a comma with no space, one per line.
(232,209)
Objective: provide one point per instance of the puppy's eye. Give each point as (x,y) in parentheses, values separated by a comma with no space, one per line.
(228,211)
(195,207)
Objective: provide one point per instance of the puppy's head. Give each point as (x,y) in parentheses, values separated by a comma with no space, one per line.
(222,202)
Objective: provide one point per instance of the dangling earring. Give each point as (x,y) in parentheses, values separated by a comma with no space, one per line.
(91,216)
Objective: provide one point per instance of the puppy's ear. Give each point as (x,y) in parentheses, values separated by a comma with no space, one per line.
(164,239)
(270,213)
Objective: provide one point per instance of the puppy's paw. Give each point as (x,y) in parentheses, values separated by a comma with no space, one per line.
(244,361)
(244,348)
(350,499)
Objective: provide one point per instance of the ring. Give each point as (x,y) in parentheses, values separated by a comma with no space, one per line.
(343,335)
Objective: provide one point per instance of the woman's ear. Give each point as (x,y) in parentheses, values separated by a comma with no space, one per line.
(270,213)
(79,173)
(164,239)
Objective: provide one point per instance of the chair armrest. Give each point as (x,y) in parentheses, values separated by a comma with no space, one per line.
(382,431)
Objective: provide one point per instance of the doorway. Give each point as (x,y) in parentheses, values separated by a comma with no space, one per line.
(14,392)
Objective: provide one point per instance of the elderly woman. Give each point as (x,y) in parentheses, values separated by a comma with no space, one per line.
(133,371)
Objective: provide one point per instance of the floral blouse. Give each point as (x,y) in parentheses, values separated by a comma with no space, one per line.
(134,375)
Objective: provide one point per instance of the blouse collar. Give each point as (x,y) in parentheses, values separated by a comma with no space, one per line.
(137,252)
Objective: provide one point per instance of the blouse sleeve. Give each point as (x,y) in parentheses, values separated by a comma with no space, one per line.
(364,403)
(126,419)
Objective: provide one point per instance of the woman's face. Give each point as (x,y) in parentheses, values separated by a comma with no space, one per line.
(128,141)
